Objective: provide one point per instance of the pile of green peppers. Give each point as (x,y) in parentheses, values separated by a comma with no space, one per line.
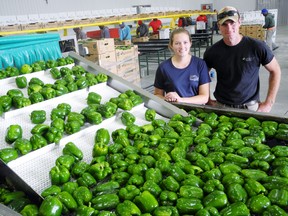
(223,167)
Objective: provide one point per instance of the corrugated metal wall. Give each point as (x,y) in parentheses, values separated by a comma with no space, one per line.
(281,5)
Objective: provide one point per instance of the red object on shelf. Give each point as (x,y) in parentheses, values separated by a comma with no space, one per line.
(114,33)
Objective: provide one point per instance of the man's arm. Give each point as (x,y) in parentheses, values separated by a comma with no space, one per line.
(274,82)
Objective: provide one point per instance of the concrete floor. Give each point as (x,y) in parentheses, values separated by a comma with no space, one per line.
(280,107)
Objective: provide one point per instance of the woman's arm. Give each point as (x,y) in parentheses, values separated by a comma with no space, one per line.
(201,98)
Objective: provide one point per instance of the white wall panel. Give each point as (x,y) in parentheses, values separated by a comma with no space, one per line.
(243,5)
(22,7)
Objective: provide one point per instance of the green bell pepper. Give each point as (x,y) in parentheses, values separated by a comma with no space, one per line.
(212,185)
(254,187)
(37,141)
(100,170)
(94,117)
(105,202)
(127,118)
(101,77)
(20,102)
(14,92)
(168,198)
(68,202)
(232,178)
(51,63)
(107,110)
(236,193)
(86,211)
(23,146)
(237,209)
(254,174)
(152,187)
(48,93)
(13,132)
(188,205)
(53,190)
(51,206)
(71,149)
(150,115)
(146,202)
(120,177)
(82,195)
(102,136)
(30,210)
(59,175)
(153,174)
(257,204)
(93,98)
(171,184)
(217,199)
(70,187)
(86,180)
(60,89)
(79,168)
(279,197)
(55,73)
(5,102)
(127,208)
(8,154)
(100,149)
(229,167)
(129,192)
(136,180)
(106,187)
(40,129)
(66,161)
(280,151)
(274,210)
(36,97)
(38,116)
(188,191)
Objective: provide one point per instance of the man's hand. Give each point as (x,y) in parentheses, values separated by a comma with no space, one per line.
(212,102)
(265,107)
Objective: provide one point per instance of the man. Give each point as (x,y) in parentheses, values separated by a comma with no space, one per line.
(237,61)
(156,25)
(270,27)
(104,32)
(80,35)
(142,29)
(124,32)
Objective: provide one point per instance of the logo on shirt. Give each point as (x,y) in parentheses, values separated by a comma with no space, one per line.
(247,59)
(194,78)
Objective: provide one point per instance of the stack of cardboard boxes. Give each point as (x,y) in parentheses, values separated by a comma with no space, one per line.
(254,31)
(118,59)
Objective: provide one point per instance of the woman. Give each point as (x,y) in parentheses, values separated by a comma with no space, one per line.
(182,78)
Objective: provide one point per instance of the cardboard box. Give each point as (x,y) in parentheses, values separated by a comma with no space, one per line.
(100,46)
(52,24)
(110,67)
(123,42)
(140,39)
(10,28)
(131,75)
(125,66)
(102,59)
(124,53)
(69,22)
(31,26)
(154,36)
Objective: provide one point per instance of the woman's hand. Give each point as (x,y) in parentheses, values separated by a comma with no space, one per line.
(172,97)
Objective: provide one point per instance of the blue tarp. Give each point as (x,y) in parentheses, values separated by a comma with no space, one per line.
(27,49)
